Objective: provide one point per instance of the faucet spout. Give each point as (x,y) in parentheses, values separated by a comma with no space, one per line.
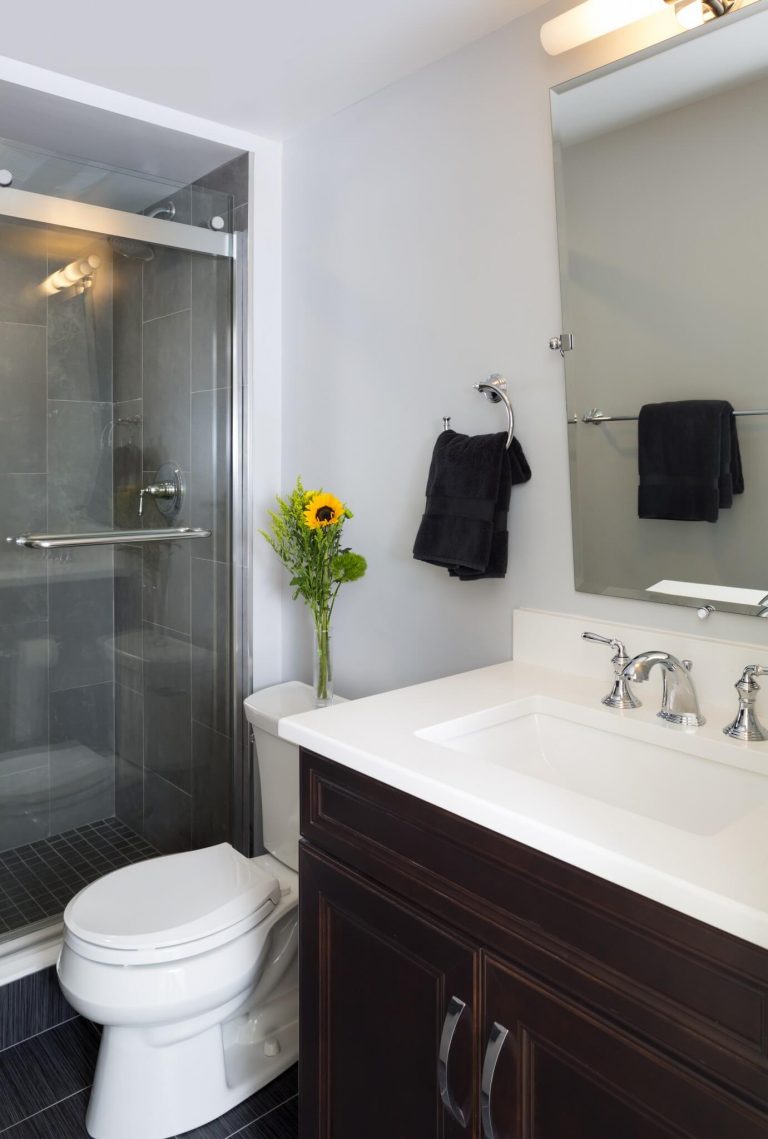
(679,703)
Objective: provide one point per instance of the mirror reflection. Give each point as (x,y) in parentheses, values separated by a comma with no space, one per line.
(661,199)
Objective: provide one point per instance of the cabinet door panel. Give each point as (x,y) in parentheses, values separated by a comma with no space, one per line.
(377,984)
(564,1073)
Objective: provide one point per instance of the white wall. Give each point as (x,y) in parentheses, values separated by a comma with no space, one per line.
(419,256)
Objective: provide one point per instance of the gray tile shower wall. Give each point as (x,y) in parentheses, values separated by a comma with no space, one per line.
(173,729)
(56,611)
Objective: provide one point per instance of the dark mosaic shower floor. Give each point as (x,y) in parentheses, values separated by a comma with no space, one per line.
(37,880)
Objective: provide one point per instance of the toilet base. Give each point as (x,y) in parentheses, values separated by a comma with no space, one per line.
(152,1084)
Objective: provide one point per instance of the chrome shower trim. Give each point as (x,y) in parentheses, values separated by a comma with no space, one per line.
(27,206)
(243,808)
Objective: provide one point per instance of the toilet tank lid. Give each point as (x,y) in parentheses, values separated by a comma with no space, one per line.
(171,900)
(264,708)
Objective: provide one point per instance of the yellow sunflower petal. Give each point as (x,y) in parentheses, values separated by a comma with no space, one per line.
(323,510)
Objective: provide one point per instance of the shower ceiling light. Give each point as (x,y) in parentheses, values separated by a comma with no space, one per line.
(595,18)
(78,273)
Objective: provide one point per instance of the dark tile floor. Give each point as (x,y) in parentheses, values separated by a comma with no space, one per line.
(45,1084)
(37,880)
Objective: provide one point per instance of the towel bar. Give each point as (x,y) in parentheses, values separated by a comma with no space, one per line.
(595,415)
(107,538)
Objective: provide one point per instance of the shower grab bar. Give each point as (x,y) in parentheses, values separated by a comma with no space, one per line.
(107,538)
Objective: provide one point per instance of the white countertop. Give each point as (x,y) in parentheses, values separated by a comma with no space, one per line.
(719,878)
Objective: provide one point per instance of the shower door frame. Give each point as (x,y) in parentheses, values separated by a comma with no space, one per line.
(63,213)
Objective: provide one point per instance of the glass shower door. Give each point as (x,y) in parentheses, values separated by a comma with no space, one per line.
(116,733)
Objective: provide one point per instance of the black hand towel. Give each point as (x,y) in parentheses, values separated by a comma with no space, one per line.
(689,460)
(464,527)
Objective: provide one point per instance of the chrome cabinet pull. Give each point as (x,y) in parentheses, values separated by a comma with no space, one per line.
(450,1024)
(492,1052)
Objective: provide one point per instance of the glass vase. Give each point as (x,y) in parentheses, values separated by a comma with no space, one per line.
(322,670)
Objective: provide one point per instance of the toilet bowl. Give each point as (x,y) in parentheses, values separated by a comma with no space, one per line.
(189,961)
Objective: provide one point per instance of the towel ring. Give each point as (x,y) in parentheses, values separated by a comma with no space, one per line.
(495,389)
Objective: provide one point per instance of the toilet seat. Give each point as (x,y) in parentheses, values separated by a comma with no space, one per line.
(171,907)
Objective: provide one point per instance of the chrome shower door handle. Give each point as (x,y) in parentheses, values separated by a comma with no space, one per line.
(450,1024)
(498,1035)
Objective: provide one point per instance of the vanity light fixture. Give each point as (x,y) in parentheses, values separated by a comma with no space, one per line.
(594,18)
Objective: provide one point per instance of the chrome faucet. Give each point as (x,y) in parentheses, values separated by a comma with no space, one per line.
(746,725)
(679,703)
(621,695)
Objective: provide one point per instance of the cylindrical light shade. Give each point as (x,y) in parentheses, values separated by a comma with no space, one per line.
(593,19)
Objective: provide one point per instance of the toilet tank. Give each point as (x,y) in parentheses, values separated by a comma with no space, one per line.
(278,765)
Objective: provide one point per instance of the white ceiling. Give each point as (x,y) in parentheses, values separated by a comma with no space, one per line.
(267,66)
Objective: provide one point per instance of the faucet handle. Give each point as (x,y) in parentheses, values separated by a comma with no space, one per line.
(621,695)
(746,725)
(612,641)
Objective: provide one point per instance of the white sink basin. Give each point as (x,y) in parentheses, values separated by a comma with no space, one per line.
(658,772)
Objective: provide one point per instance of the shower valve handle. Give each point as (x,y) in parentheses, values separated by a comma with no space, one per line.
(157,490)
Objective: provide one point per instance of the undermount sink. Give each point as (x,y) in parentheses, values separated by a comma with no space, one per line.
(636,766)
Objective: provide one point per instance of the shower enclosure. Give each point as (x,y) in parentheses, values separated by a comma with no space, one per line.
(119,677)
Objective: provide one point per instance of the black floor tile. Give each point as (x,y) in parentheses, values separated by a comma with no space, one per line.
(269,1114)
(282,1123)
(46,1069)
(250,1110)
(65,1120)
(37,880)
(31,1005)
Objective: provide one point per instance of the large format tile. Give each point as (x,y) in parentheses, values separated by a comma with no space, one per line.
(79,466)
(23,576)
(23,268)
(166,585)
(46,1068)
(129,756)
(82,756)
(24,652)
(128,617)
(257,1106)
(81,603)
(282,1123)
(23,384)
(211,322)
(166,391)
(231,178)
(167,815)
(30,1005)
(23,807)
(167,706)
(127,463)
(127,328)
(211,641)
(65,1120)
(80,347)
(210,476)
(211,786)
(166,283)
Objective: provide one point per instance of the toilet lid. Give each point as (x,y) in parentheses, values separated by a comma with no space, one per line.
(171,900)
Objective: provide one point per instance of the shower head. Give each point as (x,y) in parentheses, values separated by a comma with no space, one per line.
(133,250)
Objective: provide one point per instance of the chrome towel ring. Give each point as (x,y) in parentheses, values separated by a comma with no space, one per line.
(495,389)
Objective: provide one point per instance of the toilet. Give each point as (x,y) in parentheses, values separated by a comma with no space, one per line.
(189,961)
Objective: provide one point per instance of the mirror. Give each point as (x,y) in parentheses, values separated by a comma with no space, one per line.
(662,180)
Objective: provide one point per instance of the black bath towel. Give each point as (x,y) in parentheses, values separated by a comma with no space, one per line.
(464,527)
(689,460)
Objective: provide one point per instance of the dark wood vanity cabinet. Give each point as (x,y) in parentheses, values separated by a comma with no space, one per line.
(455,983)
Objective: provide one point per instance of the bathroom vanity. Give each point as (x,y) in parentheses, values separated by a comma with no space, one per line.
(458,983)
(487,954)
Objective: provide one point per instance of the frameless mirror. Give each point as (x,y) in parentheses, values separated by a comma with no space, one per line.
(661,175)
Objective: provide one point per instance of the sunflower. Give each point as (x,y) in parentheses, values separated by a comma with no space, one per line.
(323,510)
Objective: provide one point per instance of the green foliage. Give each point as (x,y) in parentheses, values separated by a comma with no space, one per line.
(314,557)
